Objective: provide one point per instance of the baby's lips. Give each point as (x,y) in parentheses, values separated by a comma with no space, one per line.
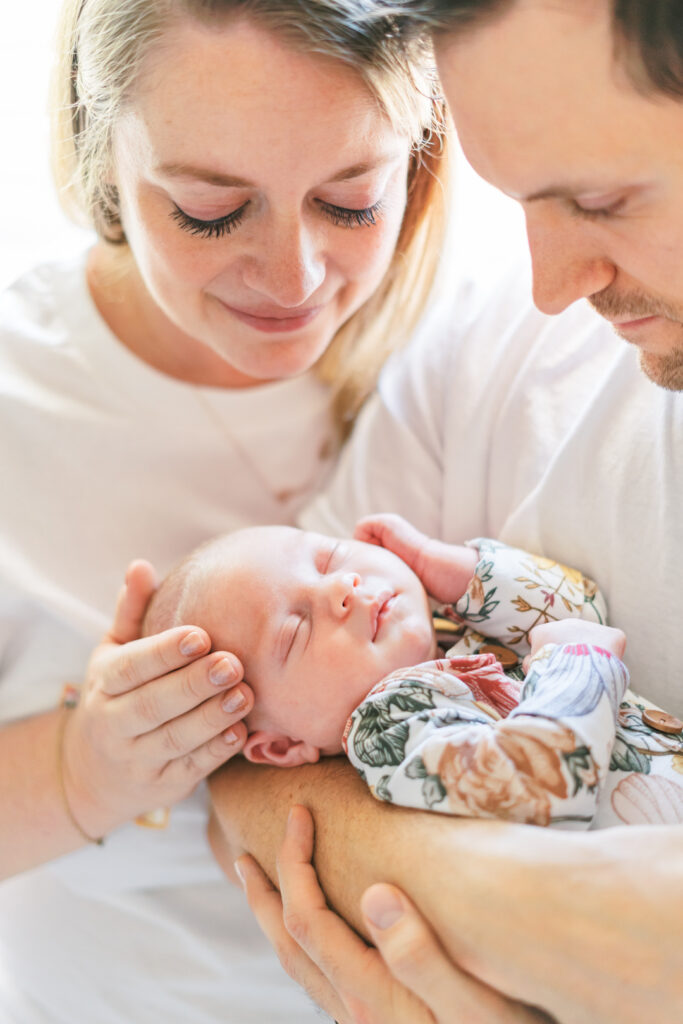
(377,608)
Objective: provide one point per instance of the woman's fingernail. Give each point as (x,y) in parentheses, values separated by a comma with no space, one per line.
(230,736)
(191,644)
(382,907)
(240,873)
(222,672)
(234,701)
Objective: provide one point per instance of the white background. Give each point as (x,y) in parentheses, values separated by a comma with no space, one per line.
(32,227)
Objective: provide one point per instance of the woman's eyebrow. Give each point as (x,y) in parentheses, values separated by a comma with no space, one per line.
(359,169)
(205,174)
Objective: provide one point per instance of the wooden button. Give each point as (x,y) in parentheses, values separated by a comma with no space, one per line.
(661,721)
(508,659)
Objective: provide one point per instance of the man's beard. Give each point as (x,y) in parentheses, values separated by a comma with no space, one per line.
(664,369)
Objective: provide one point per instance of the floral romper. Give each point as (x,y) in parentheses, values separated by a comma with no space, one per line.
(467,734)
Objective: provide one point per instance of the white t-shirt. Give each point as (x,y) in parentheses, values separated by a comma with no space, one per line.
(544,433)
(104,459)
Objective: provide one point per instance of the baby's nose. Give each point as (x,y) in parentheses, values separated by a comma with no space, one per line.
(342,590)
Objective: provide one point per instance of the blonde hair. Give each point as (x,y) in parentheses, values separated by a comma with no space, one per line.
(102,45)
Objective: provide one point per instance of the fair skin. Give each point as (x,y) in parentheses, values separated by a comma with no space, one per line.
(248,259)
(215,129)
(544,115)
(316,622)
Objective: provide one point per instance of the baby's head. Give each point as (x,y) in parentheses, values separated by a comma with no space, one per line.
(315,621)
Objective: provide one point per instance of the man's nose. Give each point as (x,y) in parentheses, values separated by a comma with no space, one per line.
(289,266)
(341,592)
(567,263)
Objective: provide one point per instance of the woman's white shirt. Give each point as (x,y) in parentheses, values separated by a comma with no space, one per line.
(104,459)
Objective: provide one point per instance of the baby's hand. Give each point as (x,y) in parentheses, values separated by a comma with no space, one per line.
(444,570)
(576,631)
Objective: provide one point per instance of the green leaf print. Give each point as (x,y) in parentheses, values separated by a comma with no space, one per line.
(382,731)
(581,767)
(416,769)
(433,791)
(626,758)
(382,790)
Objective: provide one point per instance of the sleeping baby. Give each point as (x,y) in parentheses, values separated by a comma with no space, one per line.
(524,717)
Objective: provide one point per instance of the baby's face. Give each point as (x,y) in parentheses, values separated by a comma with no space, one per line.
(316,622)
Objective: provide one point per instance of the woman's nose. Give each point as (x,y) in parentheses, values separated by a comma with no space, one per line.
(289,268)
(341,592)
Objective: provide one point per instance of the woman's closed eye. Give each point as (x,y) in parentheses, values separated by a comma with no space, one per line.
(219,227)
(216,228)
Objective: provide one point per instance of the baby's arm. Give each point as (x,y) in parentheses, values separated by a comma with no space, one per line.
(513,592)
(445,570)
(500,591)
(425,738)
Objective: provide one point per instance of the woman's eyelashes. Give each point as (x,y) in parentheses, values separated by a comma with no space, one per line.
(348,218)
(218,227)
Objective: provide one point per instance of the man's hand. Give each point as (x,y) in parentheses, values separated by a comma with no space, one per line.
(406,979)
(444,570)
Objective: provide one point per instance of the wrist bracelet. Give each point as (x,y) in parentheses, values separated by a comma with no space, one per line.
(67,703)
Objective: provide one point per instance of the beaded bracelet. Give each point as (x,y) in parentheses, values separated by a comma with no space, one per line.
(68,702)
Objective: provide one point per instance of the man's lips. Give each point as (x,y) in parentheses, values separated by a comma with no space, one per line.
(274,321)
(625,325)
(381,609)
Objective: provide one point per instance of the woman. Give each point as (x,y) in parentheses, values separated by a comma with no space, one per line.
(262,179)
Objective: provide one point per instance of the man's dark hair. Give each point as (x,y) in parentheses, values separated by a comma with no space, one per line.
(648,34)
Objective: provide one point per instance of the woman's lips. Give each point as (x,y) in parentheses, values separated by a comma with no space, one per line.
(280,324)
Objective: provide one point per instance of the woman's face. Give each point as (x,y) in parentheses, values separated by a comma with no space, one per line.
(262,193)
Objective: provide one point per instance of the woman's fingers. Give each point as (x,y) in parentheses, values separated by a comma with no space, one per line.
(415,957)
(207,693)
(120,669)
(140,584)
(266,905)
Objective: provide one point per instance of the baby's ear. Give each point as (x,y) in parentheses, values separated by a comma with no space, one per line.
(264,747)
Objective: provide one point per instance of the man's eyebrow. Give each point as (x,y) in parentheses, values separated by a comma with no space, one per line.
(568,191)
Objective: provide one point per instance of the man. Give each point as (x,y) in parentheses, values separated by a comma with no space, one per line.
(547,433)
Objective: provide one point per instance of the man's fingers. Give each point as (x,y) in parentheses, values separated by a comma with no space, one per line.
(266,905)
(141,582)
(354,971)
(415,957)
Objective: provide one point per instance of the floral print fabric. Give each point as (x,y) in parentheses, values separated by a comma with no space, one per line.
(567,748)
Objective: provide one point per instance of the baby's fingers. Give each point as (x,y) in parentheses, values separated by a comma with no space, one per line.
(392,532)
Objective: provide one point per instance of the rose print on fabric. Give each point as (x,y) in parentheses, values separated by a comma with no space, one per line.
(504,774)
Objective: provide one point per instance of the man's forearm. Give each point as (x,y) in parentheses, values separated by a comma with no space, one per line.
(566,921)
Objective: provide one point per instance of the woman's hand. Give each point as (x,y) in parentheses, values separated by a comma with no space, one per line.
(156,715)
(444,570)
(407,979)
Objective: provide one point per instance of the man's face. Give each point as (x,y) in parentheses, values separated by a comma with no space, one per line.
(545,113)
(316,623)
